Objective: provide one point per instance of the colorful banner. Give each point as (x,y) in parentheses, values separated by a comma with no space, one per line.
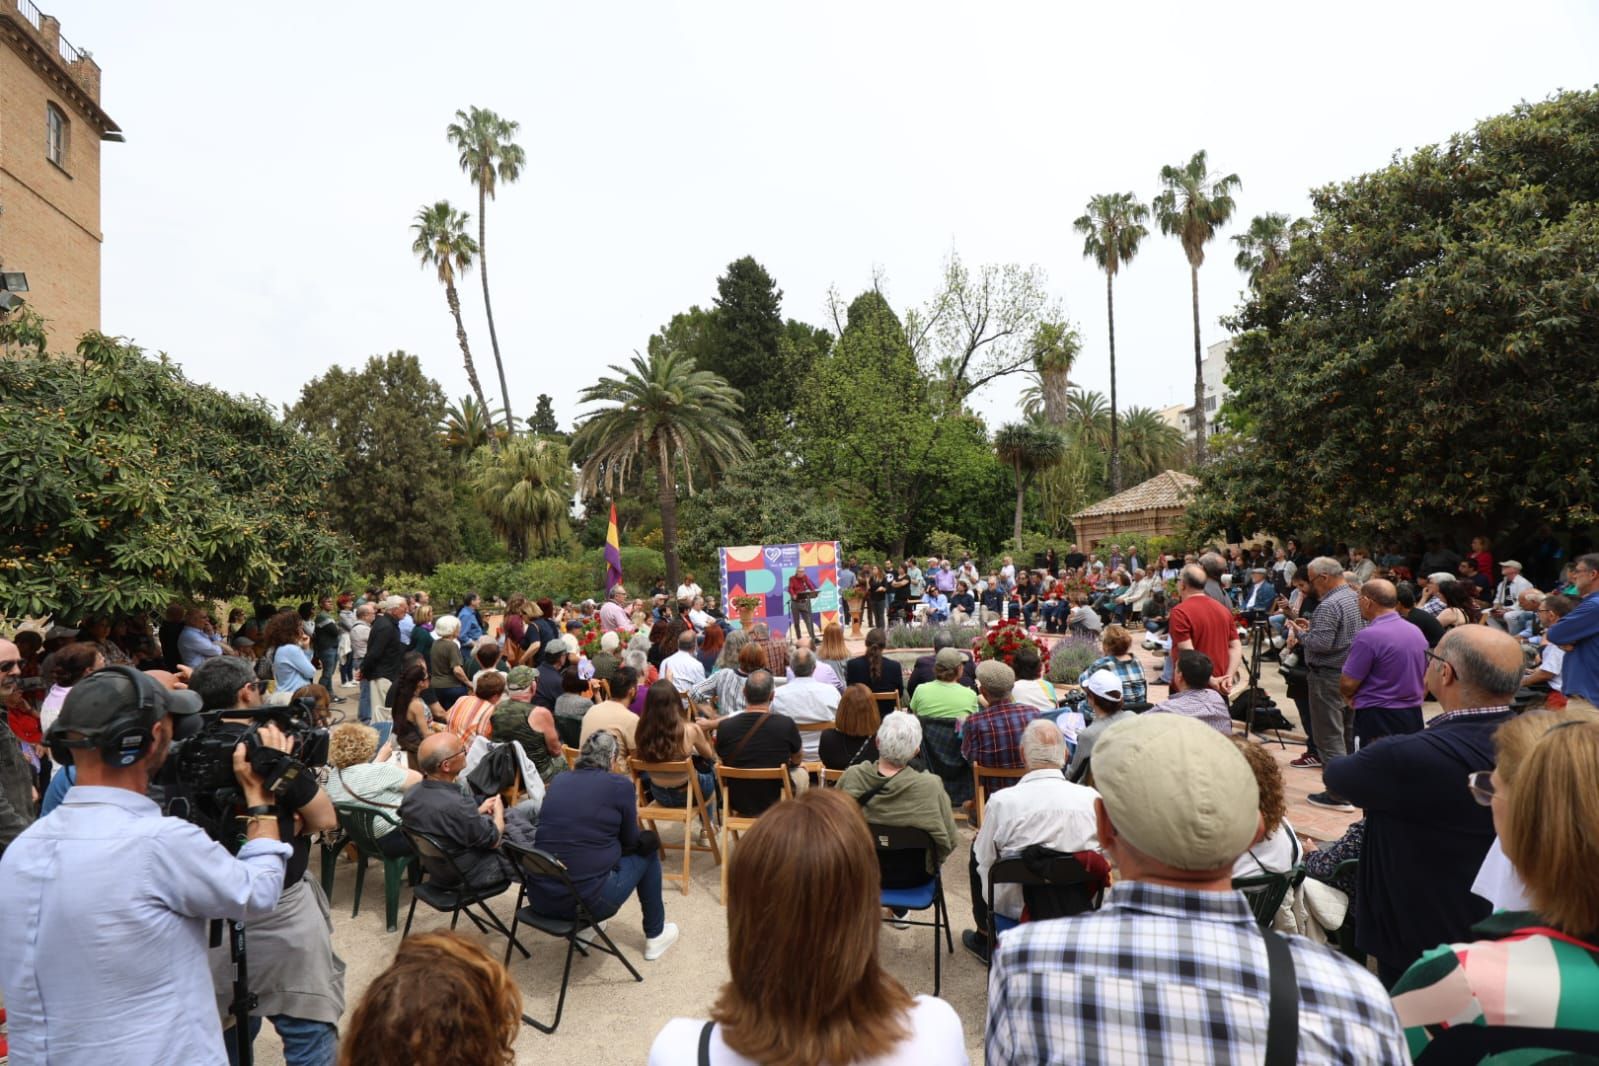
(613,555)
(764,569)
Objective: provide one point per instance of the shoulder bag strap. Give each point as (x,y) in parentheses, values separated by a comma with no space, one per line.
(756,728)
(1282,1019)
(705,1043)
(340,771)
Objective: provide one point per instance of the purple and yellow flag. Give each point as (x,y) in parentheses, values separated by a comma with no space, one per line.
(613,555)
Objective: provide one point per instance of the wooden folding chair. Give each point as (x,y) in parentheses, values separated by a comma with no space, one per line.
(887,702)
(570,754)
(813,766)
(733,823)
(697,803)
(979,771)
(830,777)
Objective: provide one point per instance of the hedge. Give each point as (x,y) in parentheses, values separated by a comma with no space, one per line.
(560,579)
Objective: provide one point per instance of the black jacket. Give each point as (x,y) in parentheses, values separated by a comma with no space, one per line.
(923,671)
(892,680)
(385,651)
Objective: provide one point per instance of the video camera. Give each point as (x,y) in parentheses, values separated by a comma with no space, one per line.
(197,782)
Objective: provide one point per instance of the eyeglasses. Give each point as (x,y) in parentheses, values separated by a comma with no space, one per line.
(1439,658)
(10,665)
(1481,784)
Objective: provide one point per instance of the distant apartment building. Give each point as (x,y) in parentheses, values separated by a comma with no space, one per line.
(51,127)
(1214,372)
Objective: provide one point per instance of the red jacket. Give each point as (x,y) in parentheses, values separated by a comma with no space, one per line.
(799,585)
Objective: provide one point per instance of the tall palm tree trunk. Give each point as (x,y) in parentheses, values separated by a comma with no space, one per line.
(488,308)
(1115,439)
(1199,376)
(668,501)
(1021,494)
(454,301)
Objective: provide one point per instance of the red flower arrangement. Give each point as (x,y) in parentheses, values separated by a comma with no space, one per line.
(588,638)
(1004,640)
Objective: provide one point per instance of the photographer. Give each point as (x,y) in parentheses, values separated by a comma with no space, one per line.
(297,978)
(108,901)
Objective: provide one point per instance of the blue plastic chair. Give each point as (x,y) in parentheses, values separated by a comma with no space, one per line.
(904,840)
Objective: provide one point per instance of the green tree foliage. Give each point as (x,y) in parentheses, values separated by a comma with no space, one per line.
(1193,204)
(1112,231)
(394,496)
(488,157)
(662,412)
(442,242)
(746,345)
(467,427)
(1028,448)
(1150,444)
(980,326)
(526,493)
(125,484)
(1423,358)
(764,499)
(543,421)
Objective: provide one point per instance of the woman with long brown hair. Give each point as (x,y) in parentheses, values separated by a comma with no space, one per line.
(413,720)
(443,1001)
(853,737)
(663,736)
(809,866)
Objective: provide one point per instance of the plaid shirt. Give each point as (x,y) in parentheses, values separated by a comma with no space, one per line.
(1129,671)
(1465,712)
(1332,628)
(776,656)
(1168,975)
(993,737)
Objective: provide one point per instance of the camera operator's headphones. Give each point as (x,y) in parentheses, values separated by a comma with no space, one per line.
(126,738)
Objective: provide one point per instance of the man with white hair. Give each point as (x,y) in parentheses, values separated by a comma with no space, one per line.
(891,793)
(1432,593)
(608,658)
(385,653)
(1327,637)
(613,616)
(683,668)
(1043,809)
(1173,966)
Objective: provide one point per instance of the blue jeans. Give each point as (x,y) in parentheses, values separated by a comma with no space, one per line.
(329,658)
(640,873)
(365,711)
(305,1043)
(678,797)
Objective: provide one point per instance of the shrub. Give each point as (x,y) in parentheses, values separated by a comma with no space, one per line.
(901,635)
(1070,657)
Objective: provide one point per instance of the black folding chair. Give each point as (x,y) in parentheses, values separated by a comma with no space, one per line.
(1265,893)
(901,842)
(1078,889)
(459,896)
(531,863)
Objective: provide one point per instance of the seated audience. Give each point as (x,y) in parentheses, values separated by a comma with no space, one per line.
(806,866)
(1117,643)
(574,701)
(1104,700)
(443,1001)
(517,719)
(412,717)
(616,714)
(1174,954)
(944,696)
(1422,828)
(1279,851)
(663,736)
(469,832)
(725,689)
(890,793)
(473,714)
(806,700)
(590,822)
(1192,695)
(1531,969)
(993,736)
(833,653)
(853,737)
(1032,689)
(359,775)
(1044,809)
(683,668)
(875,670)
(756,739)
(923,670)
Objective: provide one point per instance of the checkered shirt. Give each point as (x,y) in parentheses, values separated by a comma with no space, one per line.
(1130,672)
(776,656)
(1169,975)
(1465,712)
(993,737)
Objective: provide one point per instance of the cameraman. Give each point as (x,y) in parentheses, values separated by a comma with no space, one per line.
(292,967)
(108,901)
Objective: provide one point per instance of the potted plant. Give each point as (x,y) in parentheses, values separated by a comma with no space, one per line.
(1004,640)
(746,609)
(857,608)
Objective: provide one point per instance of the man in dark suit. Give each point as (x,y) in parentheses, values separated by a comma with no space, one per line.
(385,653)
(923,670)
(876,671)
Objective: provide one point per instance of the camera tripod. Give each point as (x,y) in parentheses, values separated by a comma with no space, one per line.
(1254,695)
(244,1001)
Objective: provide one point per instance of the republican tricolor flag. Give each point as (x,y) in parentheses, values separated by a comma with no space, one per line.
(613,554)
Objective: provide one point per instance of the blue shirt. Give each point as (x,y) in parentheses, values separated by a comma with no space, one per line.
(291,668)
(471,627)
(195,646)
(105,954)
(1579,671)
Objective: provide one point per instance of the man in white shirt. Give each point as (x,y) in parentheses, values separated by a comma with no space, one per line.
(683,668)
(688,591)
(1008,571)
(1506,612)
(109,901)
(806,699)
(1042,808)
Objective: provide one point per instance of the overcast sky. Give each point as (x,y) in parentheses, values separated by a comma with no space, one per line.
(257,219)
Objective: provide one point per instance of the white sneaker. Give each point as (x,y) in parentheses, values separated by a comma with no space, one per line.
(589,936)
(656,946)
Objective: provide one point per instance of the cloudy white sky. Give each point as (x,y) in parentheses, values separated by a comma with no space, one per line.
(256,220)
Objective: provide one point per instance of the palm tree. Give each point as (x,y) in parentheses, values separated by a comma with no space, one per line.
(666,411)
(442,241)
(466,427)
(1090,417)
(1261,248)
(1028,447)
(1112,230)
(1194,203)
(488,156)
(525,492)
(1054,347)
(1150,443)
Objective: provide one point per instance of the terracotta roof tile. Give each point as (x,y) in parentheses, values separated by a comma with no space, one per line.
(1167,489)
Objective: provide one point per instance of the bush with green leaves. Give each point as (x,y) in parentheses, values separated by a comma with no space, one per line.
(572,578)
(126,484)
(901,635)
(1070,657)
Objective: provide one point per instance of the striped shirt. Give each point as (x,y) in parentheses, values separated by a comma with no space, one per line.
(1526,975)
(1170,975)
(1333,628)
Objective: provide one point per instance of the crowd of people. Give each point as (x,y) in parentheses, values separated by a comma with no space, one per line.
(1472,894)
